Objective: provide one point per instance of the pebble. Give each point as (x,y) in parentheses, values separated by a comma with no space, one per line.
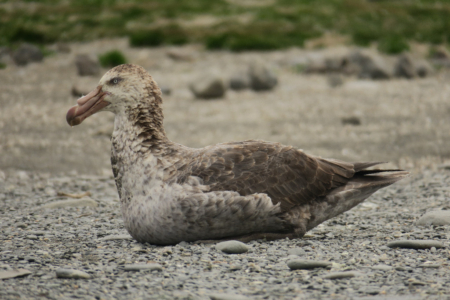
(232,247)
(307,264)
(143,267)
(70,273)
(117,237)
(14,273)
(415,244)
(223,296)
(338,275)
(436,218)
(296,251)
(71,203)
(430,266)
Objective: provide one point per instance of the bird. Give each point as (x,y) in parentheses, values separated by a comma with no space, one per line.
(247,190)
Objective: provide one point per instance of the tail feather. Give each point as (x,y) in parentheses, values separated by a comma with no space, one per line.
(363,184)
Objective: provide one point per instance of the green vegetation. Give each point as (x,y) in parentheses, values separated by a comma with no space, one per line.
(227,24)
(112,58)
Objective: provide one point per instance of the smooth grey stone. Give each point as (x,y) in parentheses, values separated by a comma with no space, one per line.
(382,268)
(14,273)
(116,237)
(232,247)
(32,237)
(436,217)
(415,244)
(338,275)
(87,65)
(71,203)
(208,87)
(226,296)
(143,267)
(70,273)
(261,78)
(307,264)
(296,251)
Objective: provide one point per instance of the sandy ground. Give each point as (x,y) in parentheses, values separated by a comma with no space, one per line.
(405,122)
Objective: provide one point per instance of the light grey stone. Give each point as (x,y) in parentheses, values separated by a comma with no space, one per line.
(14,273)
(143,267)
(70,273)
(307,264)
(232,247)
(296,251)
(71,203)
(415,244)
(116,237)
(339,275)
(436,217)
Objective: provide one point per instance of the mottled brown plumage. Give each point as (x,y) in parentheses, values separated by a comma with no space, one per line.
(240,190)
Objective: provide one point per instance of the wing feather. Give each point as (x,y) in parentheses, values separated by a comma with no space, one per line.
(289,176)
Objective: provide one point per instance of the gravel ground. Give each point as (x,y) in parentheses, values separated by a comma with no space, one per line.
(92,239)
(49,235)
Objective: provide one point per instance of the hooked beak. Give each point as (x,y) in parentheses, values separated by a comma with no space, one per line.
(87,106)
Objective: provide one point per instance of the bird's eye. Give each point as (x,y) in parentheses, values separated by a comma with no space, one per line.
(115,80)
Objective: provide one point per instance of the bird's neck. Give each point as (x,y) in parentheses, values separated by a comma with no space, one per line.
(140,130)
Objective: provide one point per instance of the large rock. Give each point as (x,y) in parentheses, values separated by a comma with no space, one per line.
(208,87)
(405,66)
(27,53)
(87,65)
(370,64)
(240,81)
(261,78)
(423,68)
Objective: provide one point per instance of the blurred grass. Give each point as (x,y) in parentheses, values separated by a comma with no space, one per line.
(227,24)
(112,58)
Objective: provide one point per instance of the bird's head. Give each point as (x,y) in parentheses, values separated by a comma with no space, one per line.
(121,88)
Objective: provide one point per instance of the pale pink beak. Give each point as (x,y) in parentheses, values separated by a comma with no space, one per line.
(87,106)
